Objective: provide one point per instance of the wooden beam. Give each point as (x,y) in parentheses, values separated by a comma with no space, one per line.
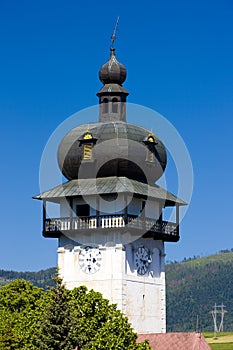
(177,220)
(71,207)
(125,208)
(97,210)
(71,211)
(44,214)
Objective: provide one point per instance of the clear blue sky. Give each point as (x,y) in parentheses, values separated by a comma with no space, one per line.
(179,58)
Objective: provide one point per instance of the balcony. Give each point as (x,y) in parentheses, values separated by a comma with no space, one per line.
(160,230)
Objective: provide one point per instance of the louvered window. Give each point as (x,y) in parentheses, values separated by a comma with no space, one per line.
(87,152)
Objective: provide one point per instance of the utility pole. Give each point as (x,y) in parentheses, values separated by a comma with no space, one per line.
(218,309)
(197,325)
(214,315)
(222,317)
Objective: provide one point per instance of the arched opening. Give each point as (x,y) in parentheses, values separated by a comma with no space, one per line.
(105,105)
(114,105)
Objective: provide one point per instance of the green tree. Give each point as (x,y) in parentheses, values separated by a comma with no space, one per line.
(60,319)
(86,320)
(115,334)
(97,324)
(9,338)
(21,307)
(55,328)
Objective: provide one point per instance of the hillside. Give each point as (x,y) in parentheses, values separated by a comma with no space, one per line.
(194,286)
(42,279)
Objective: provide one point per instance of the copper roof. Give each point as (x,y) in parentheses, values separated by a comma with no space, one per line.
(112,71)
(175,341)
(107,185)
(119,149)
(112,88)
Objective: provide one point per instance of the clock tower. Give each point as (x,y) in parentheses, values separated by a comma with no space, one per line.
(110,230)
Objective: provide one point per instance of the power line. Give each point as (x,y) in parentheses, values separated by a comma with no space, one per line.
(218,310)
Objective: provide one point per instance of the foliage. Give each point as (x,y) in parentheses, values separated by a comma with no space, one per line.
(54,331)
(194,286)
(100,325)
(60,319)
(21,308)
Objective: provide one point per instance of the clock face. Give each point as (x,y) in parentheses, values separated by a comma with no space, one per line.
(142,260)
(89,260)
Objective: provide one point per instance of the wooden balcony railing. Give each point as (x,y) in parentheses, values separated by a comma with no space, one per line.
(163,228)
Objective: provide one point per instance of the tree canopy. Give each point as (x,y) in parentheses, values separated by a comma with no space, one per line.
(61,319)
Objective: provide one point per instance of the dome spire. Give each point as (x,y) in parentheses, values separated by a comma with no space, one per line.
(112,95)
(113,37)
(113,72)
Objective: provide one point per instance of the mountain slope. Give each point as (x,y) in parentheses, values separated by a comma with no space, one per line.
(194,286)
(42,279)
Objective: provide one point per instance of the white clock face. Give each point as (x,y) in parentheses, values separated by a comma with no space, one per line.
(90,260)
(142,260)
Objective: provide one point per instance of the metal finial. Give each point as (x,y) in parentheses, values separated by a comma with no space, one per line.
(113,37)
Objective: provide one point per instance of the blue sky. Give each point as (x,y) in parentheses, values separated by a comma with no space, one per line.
(179,58)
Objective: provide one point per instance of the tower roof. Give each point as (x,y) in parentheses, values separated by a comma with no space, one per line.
(119,149)
(109,185)
(112,72)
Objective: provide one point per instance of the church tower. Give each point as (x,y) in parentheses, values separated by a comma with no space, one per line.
(111,231)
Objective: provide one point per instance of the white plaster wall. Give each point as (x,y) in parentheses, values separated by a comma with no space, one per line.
(104,237)
(145,295)
(108,279)
(108,206)
(68,261)
(152,209)
(111,204)
(143,307)
(64,208)
(141,298)
(135,206)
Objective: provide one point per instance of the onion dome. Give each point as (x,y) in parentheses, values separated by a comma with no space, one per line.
(112,148)
(112,71)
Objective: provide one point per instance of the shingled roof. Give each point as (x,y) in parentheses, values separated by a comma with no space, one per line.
(175,341)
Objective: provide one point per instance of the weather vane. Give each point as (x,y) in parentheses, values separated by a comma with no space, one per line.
(113,37)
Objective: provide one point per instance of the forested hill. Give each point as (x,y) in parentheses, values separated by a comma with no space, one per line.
(42,279)
(194,286)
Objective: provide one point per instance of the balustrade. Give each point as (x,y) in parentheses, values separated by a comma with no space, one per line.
(111,221)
